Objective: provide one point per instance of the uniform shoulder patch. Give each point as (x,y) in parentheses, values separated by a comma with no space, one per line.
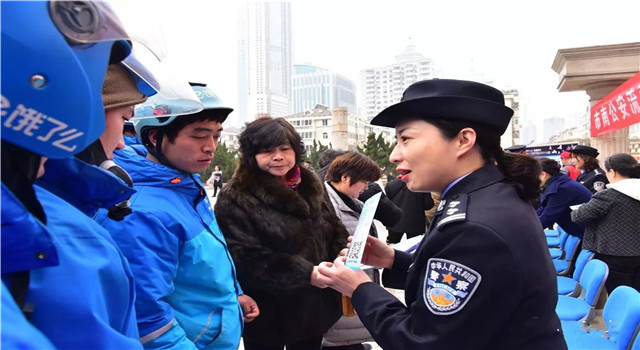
(448,286)
(454,210)
(599,185)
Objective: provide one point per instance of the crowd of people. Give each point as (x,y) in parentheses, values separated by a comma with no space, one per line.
(109,240)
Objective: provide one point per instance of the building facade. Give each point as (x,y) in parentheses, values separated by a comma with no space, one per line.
(512,135)
(383,86)
(264,54)
(335,127)
(314,86)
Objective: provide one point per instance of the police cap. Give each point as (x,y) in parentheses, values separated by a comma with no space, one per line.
(585,150)
(447,99)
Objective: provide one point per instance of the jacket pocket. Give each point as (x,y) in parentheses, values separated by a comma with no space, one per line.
(212,329)
(225,333)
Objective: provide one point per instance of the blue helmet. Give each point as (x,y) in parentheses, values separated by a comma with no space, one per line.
(208,99)
(51,77)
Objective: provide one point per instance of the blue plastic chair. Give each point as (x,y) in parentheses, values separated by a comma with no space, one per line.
(621,316)
(551,233)
(570,252)
(554,242)
(558,253)
(569,285)
(583,307)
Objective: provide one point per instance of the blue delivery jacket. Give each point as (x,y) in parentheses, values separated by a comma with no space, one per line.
(17,332)
(186,286)
(85,299)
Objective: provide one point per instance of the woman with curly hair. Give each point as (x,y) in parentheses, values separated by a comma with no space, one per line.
(279,223)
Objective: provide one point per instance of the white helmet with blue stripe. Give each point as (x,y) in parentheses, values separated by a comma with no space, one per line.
(208,99)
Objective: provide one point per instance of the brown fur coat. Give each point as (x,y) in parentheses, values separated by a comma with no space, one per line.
(276,235)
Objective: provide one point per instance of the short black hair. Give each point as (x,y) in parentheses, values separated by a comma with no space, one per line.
(328,156)
(356,166)
(550,166)
(171,131)
(265,133)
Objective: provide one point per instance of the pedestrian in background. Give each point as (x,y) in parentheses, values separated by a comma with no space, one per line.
(591,175)
(560,192)
(568,167)
(413,206)
(613,224)
(217,180)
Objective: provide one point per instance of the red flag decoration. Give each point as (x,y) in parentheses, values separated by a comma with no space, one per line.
(617,110)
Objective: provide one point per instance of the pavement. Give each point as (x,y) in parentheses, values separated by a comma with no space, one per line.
(596,323)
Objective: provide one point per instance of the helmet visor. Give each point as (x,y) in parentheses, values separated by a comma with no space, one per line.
(174,94)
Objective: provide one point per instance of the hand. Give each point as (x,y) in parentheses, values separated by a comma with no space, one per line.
(376,253)
(339,277)
(249,307)
(316,277)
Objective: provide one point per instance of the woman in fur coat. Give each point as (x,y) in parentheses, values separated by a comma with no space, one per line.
(279,224)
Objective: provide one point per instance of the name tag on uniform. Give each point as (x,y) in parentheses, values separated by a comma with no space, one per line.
(448,286)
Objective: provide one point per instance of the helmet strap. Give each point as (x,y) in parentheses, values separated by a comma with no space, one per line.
(95,155)
(156,151)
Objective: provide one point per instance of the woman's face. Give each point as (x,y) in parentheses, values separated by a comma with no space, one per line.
(425,159)
(578,160)
(277,161)
(543,178)
(612,175)
(111,138)
(354,190)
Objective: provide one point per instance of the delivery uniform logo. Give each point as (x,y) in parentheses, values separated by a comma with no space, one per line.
(448,286)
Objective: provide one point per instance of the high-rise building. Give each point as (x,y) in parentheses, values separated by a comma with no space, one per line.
(552,126)
(314,86)
(264,67)
(528,133)
(383,86)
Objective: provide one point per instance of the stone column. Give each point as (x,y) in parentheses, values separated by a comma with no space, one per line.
(598,70)
(340,128)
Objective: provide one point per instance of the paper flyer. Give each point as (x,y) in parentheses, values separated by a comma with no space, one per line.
(354,255)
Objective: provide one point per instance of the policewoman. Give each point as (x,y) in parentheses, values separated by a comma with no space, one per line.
(482,278)
(591,174)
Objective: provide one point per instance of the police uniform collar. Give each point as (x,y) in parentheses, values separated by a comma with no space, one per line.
(485,176)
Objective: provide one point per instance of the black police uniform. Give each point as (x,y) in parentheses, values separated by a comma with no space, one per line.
(481,279)
(594,180)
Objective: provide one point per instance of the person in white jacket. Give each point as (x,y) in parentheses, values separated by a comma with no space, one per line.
(613,224)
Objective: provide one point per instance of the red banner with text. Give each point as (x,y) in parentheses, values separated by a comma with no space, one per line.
(617,110)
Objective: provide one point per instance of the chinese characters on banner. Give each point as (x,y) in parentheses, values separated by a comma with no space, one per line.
(617,110)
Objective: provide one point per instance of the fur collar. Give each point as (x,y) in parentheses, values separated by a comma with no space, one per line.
(272,192)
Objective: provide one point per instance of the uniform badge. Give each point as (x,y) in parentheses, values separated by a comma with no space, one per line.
(441,205)
(455,210)
(598,185)
(448,286)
